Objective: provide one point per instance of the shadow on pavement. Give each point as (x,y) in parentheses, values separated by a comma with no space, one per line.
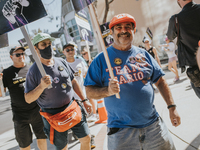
(189,87)
(177,82)
(194,145)
(34,146)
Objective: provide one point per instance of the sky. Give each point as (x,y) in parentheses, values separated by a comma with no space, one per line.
(53,8)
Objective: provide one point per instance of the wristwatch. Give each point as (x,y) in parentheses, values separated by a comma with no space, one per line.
(170,106)
(85,100)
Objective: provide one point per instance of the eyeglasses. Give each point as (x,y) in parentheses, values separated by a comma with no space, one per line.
(67,50)
(19,54)
(84,54)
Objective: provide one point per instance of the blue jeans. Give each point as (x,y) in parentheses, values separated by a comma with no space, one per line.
(154,137)
(196,90)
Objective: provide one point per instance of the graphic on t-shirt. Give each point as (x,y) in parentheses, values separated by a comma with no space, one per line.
(118,61)
(140,61)
(56,80)
(64,85)
(78,71)
(60,68)
(18,79)
(136,69)
(16,75)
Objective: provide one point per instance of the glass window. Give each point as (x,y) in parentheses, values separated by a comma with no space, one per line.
(73,22)
(66,8)
(77,33)
(69,24)
(75,27)
(72,34)
(70,30)
(78,38)
(69,7)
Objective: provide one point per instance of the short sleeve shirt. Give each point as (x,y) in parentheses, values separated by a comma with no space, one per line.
(14,79)
(135,70)
(80,70)
(171,50)
(61,92)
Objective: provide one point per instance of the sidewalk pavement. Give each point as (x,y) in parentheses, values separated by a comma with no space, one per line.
(186,136)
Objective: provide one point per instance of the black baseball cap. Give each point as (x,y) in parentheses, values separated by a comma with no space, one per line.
(69,44)
(16,48)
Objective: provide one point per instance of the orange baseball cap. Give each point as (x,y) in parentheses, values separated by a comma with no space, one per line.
(199,43)
(122,18)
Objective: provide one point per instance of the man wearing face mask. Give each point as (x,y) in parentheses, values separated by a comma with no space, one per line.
(186,27)
(58,98)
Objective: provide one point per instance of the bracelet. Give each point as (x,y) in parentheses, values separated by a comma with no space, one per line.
(84,100)
(170,106)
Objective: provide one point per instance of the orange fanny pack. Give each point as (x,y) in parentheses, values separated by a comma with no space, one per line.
(64,120)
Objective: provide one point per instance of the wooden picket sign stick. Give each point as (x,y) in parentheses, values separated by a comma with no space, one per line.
(88,50)
(35,56)
(95,21)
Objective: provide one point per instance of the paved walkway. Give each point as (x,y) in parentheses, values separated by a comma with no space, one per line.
(186,136)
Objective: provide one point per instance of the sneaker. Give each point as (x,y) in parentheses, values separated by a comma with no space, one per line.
(92,118)
(176,79)
(93,145)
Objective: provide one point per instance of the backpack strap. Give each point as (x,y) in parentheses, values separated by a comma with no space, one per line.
(177,28)
(51,134)
(51,137)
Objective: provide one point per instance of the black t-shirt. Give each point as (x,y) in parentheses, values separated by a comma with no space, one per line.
(14,79)
(150,51)
(189,33)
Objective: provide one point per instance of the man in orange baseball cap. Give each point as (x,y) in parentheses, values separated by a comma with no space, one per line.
(133,122)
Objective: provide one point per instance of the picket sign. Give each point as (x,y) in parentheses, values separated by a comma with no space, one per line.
(35,56)
(65,30)
(96,24)
(88,50)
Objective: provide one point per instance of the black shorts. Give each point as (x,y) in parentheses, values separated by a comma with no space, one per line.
(23,131)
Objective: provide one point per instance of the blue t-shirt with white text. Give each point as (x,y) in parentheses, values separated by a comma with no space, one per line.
(135,70)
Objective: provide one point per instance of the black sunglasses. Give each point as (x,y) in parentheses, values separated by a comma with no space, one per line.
(19,54)
(84,54)
(67,50)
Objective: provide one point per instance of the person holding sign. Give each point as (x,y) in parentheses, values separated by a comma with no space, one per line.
(84,54)
(133,120)
(80,70)
(59,109)
(25,115)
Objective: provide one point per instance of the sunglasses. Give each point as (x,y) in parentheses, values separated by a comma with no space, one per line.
(84,54)
(19,54)
(67,50)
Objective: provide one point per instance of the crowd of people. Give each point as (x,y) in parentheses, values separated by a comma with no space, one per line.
(65,96)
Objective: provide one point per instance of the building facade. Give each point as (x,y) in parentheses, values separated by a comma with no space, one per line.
(154,14)
(5,60)
(71,30)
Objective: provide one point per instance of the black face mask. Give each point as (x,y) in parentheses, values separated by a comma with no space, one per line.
(46,53)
